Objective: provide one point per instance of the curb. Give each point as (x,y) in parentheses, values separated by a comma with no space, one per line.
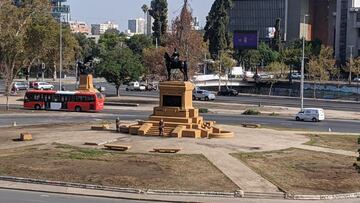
(235,194)
(120,104)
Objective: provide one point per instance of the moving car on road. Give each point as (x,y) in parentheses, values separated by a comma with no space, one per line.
(203,95)
(20,86)
(311,114)
(135,86)
(356,79)
(43,86)
(64,100)
(228,92)
(296,76)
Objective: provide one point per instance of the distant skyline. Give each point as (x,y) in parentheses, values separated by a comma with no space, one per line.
(120,11)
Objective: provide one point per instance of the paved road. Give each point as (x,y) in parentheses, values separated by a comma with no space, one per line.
(346,126)
(13,196)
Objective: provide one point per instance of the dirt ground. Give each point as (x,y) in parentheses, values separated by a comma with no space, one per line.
(334,141)
(93,166)
(305,172)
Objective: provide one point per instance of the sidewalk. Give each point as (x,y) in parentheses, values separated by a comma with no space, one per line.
(239,173)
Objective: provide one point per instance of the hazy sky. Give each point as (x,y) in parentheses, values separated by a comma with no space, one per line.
(119,11)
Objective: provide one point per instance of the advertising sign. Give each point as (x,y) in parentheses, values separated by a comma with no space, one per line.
(246,39)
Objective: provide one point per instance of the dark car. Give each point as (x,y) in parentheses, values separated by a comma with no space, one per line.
(228,92)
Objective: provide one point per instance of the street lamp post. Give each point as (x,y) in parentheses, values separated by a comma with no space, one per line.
(351,62)
(303,66)
(60,63)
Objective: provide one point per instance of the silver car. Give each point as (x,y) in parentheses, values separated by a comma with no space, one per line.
(20,86)
(203,95)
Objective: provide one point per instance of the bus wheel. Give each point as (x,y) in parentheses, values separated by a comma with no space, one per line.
(78,109)
(37,107)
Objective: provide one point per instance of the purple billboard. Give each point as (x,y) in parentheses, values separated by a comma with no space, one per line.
(246,39)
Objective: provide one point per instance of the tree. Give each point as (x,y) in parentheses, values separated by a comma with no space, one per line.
(14,24)
(187,40)
(138,43)
(278,70)
(267,54)
(277,36)
(216,28)
(159,11)
(321,66)
(153,60)
(87,46)
(118,64)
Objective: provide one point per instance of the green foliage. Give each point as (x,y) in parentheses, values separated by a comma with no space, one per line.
(159,11)
(88,47)
(216,28)
(118,63)
(267,54)
(203,110)
(226,61)
(138,43)
(251,112)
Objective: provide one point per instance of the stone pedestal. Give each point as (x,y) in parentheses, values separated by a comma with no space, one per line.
(180,118)
(86,84)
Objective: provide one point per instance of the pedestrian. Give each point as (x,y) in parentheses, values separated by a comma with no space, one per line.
(118,124)
(161,127)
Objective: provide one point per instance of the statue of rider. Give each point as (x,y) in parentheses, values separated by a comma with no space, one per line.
(175,56)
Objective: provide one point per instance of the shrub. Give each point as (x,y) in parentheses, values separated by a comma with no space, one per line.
(251,112)
(203,110)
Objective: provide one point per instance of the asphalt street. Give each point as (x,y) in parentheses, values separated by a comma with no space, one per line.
(344,126)
(252,99)
(13,196)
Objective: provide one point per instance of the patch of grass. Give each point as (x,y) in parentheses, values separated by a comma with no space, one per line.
(63,146)
(251,112)
(334,141)
(299,171)
(143,171)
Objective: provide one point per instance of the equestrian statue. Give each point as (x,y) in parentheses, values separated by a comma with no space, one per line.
(174,62)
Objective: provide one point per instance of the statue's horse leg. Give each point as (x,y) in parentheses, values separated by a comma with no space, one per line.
(169,73)
(185,71)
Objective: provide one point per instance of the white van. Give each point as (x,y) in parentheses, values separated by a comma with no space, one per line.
(311,114)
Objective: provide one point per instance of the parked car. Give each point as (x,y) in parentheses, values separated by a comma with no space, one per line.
(203,95)
(20,86)
(310,114)
(135,86)
(356,79)
(296,76)
(264,76)
(228,92)
(43,86)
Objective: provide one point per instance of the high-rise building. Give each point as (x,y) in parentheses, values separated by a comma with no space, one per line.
(347,41)
(260,16)
(79,27)
(149,24)
(137,26)
(99,29)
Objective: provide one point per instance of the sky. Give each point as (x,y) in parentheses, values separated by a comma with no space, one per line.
(120,11)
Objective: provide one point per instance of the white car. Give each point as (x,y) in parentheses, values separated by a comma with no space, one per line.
(203,95)
(43,86)
(296,76)
(310,114)
(356,79)
(135,86)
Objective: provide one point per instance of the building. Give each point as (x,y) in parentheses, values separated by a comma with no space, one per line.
(99,29)
(347,40)
(260,16)
(59,10)
(79,27)
(137,26)
(149,23)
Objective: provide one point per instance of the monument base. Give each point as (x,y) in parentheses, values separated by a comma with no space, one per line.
(180,118)
(86,84)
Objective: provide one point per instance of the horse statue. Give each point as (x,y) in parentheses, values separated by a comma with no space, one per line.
(172,64)
(86,67)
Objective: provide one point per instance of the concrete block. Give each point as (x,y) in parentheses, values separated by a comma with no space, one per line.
(26,137)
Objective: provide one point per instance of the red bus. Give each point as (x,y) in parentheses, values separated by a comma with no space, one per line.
(63,100)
